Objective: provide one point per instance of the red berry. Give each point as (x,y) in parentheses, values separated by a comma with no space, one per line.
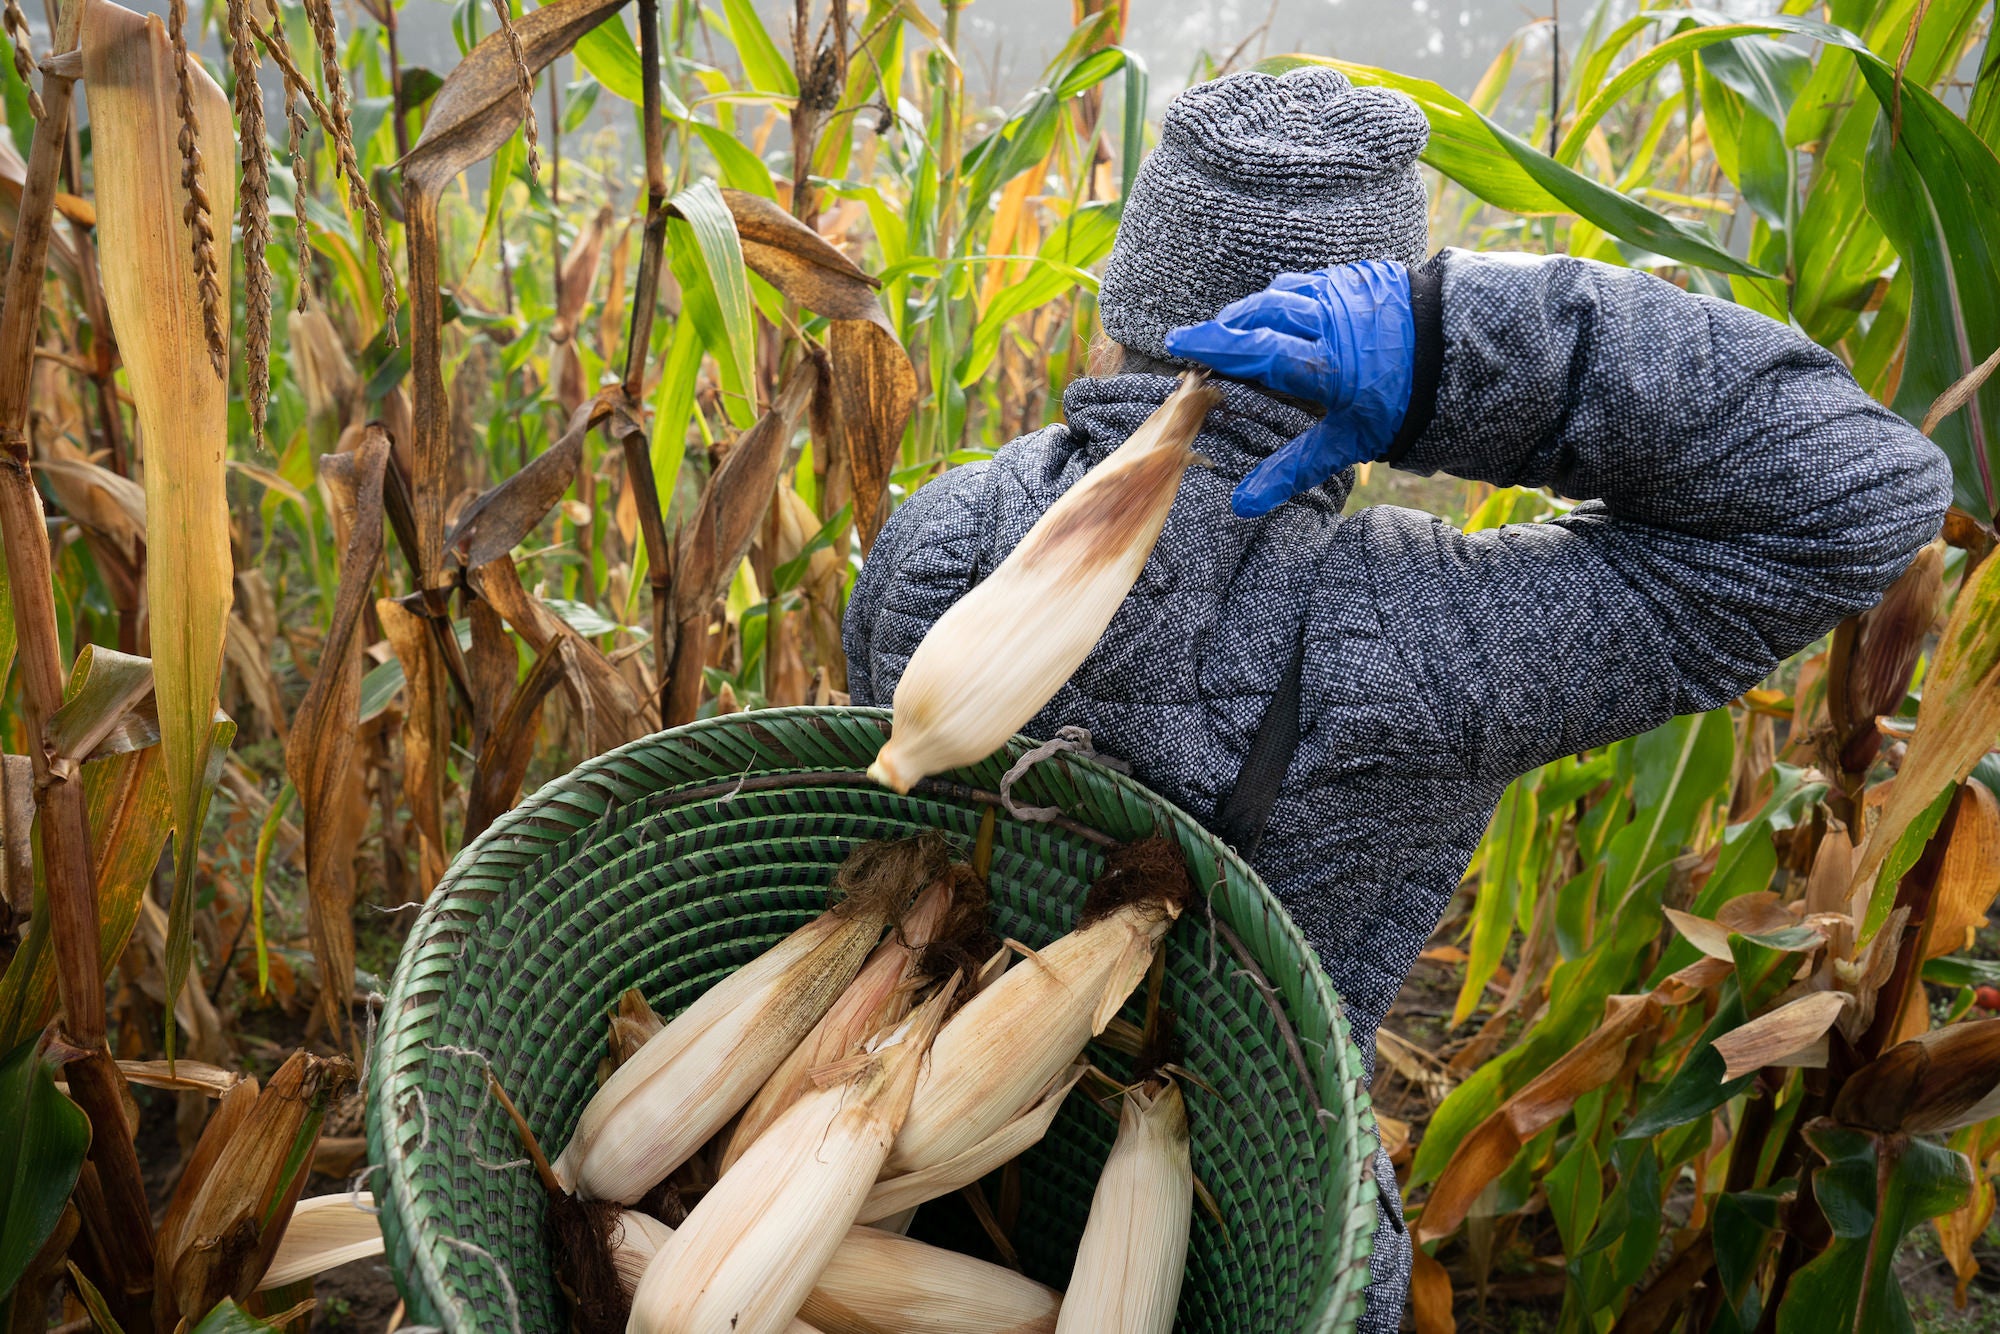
(1987,998)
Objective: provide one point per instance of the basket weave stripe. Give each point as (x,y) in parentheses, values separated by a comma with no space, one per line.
(673,861)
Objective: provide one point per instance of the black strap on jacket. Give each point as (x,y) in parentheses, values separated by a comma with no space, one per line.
(1247,809)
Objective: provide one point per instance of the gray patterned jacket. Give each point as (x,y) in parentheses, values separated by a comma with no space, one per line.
(1743,496)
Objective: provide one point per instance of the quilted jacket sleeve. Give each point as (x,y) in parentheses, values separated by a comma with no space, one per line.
(1743,495)
(924,560)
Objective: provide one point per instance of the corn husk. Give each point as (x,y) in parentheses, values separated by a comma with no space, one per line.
(1129,1265)
(879,1283)
(325,1231)
(748,1254)
(877,999)
(1001,652)
(685,1083)
(1002,1050)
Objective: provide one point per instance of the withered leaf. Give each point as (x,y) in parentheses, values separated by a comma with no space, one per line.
(319,753)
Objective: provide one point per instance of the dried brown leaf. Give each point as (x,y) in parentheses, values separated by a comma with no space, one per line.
(1781,1034)
(426,734)
(875,392)
(1485,1153)
(1970,876)
(503,761)
(319,753)
(803,265)
(1941,1080)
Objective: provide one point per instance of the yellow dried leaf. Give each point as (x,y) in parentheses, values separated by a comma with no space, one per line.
(156,312)
(1784,1032)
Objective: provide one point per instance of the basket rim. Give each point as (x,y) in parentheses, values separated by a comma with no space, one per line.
(1335,1074)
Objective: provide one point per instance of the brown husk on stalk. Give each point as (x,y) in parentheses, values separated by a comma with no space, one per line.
(715,538)
(426,733)
(503,761)
(224,1225)
(319,754)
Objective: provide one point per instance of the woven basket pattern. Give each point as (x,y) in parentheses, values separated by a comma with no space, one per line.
(674,860)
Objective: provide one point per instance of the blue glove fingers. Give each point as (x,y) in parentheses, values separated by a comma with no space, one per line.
(1294,366)
(1288,312)
(1300,466)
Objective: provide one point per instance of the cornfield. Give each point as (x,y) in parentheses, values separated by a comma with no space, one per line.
(366,470)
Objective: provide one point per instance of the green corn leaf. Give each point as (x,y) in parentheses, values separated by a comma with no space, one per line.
(229,1318)
(707,259)
(1070,248)
(1575,1188)
(673,411)
(1502,880)
(1697,1088)
(610,56)
(20,121)
(1134,146)
(1872,1192)
(43,1137)
(767,69)
(741,169)
(1932,188)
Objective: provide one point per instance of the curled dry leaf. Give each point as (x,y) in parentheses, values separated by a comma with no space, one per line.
(1485,1153)
(1956,724)
(1776,1037)
(1970,876)
(504,515)
(803,265)
(875,392)
(1705,934)
(1938,1081)
(503,760)
(319,753)
(1887,642)
(426,733)
(1832,873)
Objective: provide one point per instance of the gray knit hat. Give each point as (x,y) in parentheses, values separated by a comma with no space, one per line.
(1256,176)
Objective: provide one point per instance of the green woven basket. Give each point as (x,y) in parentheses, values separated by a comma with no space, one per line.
(668,863)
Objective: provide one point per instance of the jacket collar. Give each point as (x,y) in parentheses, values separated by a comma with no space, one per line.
(1248,427)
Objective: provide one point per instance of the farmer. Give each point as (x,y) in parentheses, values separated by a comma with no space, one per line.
(1741,496)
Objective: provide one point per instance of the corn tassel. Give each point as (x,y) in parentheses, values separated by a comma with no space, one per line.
(749,1252)
(1133,1255)
(660,1106)
(879,1283)
(877,999)
(1002,651)
(1002,1050)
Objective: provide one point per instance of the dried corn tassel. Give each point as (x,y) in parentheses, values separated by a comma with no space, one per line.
(749,1252)
(878,1283)
(1129,1265)
(1002,651)
(877,999)
(681,1087)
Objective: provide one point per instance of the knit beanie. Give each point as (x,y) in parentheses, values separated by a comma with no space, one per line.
(1257,175)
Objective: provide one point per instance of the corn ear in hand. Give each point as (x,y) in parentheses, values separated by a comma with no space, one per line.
(1129,1265)
(1002,651)
(749,1252)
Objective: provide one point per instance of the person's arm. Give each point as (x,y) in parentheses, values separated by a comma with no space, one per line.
(924,559)
(1745,496)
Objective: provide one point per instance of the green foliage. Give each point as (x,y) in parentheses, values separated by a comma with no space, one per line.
(43,1136)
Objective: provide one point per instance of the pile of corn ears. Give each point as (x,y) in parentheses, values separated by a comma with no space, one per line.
(878,1057)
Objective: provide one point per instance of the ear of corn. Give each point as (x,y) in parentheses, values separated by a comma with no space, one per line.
(750,1250)
(1009,1041)
(879,1282)
(895,1197)
(1002,651)
(877,999)
(693,1075)
(1129,1265)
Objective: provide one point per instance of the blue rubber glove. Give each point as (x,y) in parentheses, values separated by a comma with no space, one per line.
(1344,338)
